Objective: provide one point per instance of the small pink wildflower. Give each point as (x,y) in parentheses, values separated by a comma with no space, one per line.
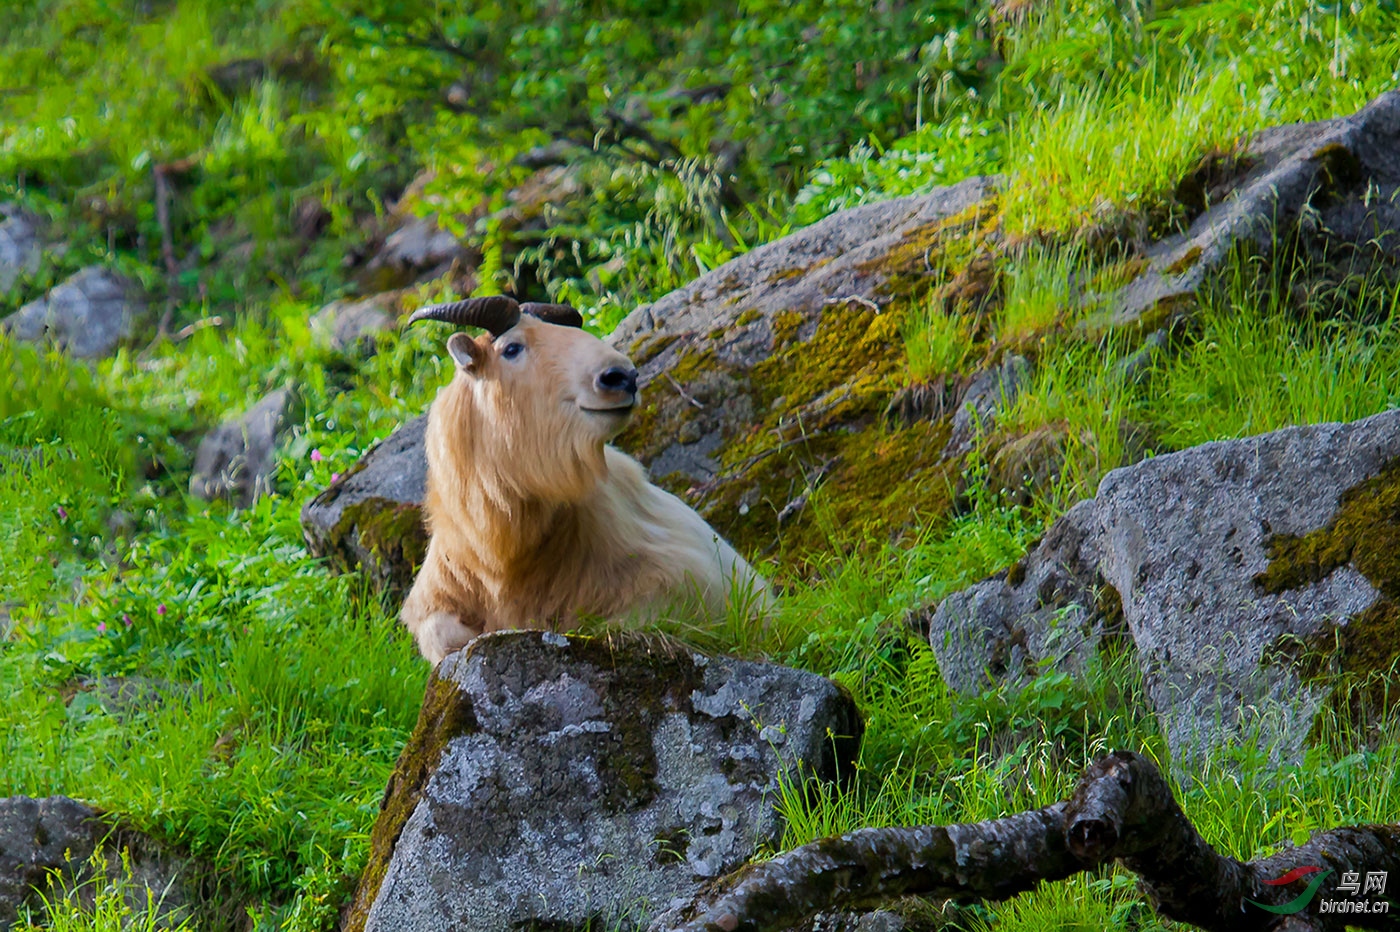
(316,456)
(335,477)
(102,627)
(126,619)
(62,513)
(160,609)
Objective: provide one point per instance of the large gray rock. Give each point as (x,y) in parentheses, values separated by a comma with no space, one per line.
(41,839)
(555,781)
(1332,184)
(1238,569)
(87,315)
(20,249)
(236,459)
(372,517)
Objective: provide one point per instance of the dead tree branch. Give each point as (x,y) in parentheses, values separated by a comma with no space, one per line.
(1121,810)
(165,173)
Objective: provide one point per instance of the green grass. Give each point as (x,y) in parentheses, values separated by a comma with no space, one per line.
(937,342)
(1079,393)
(1259,358)
(1264,359)
(1097,108)
(1114,105)
(1037,291)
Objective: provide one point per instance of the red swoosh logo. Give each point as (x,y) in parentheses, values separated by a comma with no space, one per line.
(1292,875)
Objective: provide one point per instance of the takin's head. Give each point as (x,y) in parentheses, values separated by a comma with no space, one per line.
(534,399)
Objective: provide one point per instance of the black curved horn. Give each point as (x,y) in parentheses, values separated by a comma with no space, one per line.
(561,314)
(497,313)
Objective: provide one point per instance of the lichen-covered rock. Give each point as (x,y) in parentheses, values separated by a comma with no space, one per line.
(553,781)
(372,517)
(20,249)
(1329,188)
(236,459)
(1247,575)
(58,836)
(87,315)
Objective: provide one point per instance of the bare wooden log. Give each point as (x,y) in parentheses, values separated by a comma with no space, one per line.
(1122,809)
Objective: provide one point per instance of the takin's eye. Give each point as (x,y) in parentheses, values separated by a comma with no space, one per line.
(512,350)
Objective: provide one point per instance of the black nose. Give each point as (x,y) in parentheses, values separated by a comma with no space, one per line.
(618,379)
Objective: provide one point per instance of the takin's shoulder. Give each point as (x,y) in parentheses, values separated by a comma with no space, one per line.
(671,529)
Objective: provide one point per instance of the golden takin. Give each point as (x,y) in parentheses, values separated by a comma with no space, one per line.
(535,521)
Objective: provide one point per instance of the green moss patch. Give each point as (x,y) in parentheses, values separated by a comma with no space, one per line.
(390,533)
(823,467)
(1356,659)
(785,275)
(1364,533)
(646,348)
(1187,260)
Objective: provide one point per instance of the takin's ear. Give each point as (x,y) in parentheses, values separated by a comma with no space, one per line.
(465,352)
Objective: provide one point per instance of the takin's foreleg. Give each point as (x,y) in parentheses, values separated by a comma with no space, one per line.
(433,614)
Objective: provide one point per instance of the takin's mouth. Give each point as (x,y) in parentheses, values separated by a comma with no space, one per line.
(620,409)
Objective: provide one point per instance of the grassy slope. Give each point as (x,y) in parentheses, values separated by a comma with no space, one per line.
(287,693)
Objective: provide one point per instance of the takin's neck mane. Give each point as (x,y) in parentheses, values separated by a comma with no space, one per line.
(507,506)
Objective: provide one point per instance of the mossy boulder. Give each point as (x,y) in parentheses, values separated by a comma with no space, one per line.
(1326,191)
(555,781)
(1256,579)
(372,518)
(765,381)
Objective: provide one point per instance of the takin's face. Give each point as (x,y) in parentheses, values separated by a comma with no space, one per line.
(548,398)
